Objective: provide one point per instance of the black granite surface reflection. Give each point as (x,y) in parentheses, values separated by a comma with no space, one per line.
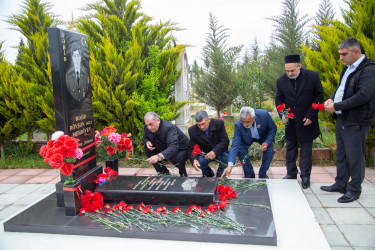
(160,190)
(46,217)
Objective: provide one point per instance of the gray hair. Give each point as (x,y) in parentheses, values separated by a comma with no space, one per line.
(152,115)
(201,115)
(350,43)
(245,111)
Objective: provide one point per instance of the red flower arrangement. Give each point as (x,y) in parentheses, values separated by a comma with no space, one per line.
(91,202)
(318,106)
(109,142)
(61,152)
(285,111)
(106,176)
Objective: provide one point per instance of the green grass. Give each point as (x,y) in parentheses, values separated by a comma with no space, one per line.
(30,161)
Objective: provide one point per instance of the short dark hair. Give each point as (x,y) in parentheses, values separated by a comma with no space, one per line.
(200,115)
(350,43)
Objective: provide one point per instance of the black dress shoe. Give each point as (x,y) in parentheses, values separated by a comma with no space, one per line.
(250,176)
(305,182)
(333,188)
(289,176)
(348,197)
(263,176)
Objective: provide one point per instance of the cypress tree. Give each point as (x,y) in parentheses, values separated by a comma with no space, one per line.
(120,40)
(12,122)
(288,37)
(358,22)
(35,88)
(216,84)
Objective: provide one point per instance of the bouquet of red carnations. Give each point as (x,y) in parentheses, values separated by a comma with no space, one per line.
(61,152)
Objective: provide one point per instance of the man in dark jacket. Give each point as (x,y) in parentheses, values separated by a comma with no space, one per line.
(253,126)
(299,88)
(164,141)
(212,138)
(353,104)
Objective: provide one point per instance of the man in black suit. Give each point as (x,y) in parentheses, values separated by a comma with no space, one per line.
(353,106)
(299,88)
(212,138)
(164,141)
(77,77)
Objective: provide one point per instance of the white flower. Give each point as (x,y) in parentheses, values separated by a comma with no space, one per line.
(56,135)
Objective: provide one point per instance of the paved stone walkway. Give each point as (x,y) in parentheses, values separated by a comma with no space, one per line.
(345,226)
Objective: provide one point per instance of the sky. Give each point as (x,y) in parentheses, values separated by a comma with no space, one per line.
(245,20)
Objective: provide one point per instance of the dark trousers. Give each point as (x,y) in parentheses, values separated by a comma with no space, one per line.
(266,160)
(350,155)
(178,160)
(305,159)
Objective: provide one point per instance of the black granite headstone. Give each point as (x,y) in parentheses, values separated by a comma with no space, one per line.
(159,190)
(72,93)
(72,97)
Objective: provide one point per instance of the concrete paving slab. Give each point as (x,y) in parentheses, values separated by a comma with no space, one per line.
(354,216)
(330,201)
(10,171)
(10,210)
(359,235)
(16,179)
(55,180)
(53,172)
(331,169)
(3,177)
(28,199)
(371,211)
(368,188)
(367,200)
(334,236)
(341,248)
(322,178)
(45,189)
(322,216)
(6,187)
(40,179)
(8,199)
(312,200)
(315,187)
(23,189)
(318,170)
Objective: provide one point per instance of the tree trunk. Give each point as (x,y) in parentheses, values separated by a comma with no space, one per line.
(229,110)
(2,150)
(218,113)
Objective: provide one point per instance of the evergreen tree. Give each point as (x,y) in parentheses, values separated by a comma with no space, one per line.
(35,88)
(323,17)
(122,67)
(20,51)
(359,23)
(12,122)
(255,51)
(288,37)
(216,85)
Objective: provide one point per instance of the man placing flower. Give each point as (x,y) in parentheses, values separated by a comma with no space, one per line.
(209,136)
(164,141)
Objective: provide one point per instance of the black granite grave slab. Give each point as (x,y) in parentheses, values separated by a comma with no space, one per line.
(45,217)
(160,190)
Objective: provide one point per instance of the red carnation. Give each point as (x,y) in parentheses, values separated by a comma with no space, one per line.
(43,150)
(121,147)
(280,107)
(67,168)
(314,106)
(290,115)
(50,143)
(128,141)
(111,150)
(71,144)
(320,106)
(129,148)
(56,161)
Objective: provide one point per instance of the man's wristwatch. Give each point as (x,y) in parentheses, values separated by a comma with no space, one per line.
(159,157)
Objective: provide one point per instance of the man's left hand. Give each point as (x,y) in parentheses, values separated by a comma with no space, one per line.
(264,146)
(307,121)
(210,155)
(153,159)
(330,107)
